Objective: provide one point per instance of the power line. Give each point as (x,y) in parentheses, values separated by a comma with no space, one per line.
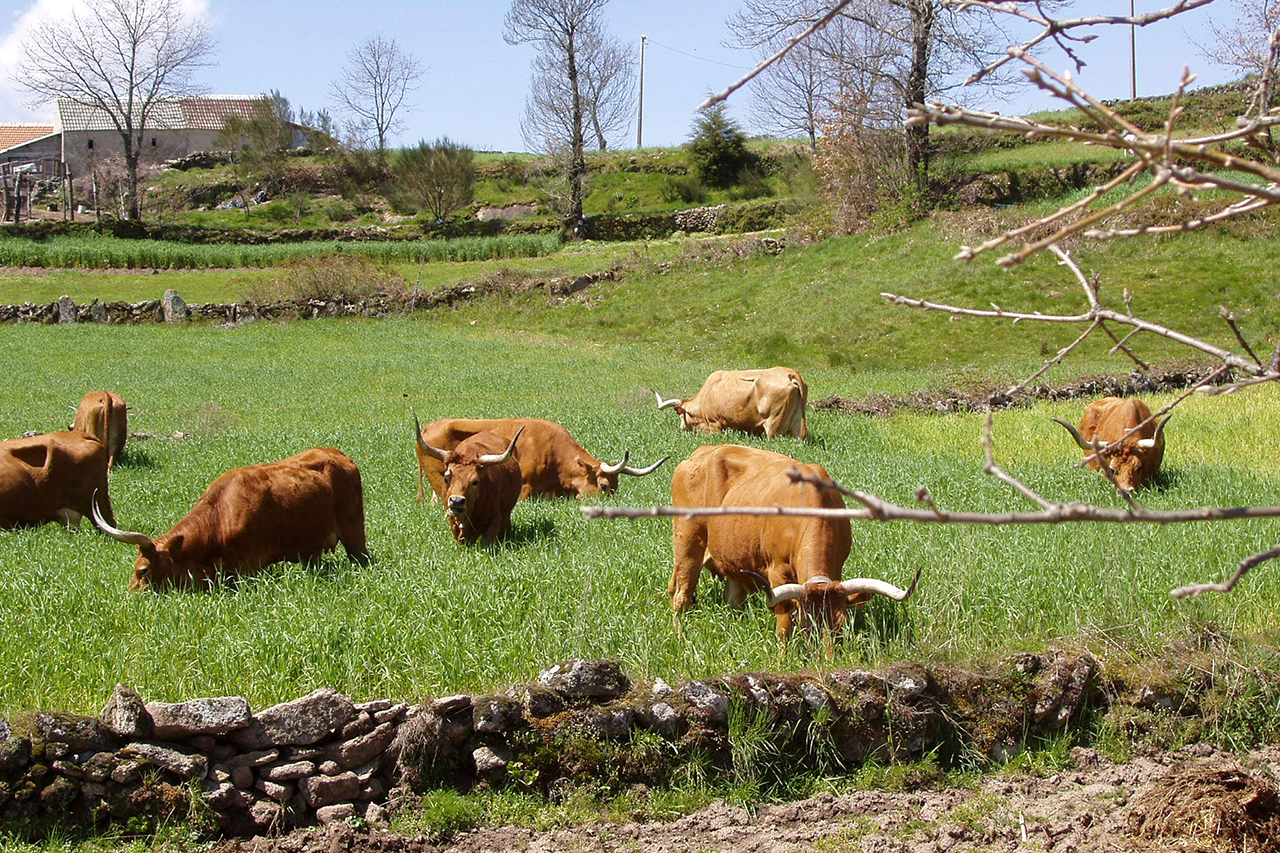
(699,58)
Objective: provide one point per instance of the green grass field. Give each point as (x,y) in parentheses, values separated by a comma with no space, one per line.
(429,617)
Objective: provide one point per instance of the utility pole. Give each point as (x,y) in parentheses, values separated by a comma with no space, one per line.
(640,114)
(1133,57)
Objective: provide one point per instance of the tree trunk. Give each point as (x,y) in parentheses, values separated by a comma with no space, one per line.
(573,220)
(130,200)
(924,15)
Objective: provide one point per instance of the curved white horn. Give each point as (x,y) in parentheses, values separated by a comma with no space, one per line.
(115,533)
(640,472)
(879,587)
(607,468)
(433,452)
(1075,433)
(784,593)
(498,458)
(666,404)
(1160,427)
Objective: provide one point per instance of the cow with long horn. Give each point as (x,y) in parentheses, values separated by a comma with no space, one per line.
(1121,433)
(552,463)
(292,510)
(482,483)
(760,402)
(104,416)
(797,560)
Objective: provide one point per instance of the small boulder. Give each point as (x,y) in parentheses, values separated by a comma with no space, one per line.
(298,723)
(211,716)
(580,680)
(173,308)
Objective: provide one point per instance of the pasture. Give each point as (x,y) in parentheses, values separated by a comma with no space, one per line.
(428,617)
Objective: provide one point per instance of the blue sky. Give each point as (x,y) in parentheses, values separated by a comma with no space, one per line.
(474,87)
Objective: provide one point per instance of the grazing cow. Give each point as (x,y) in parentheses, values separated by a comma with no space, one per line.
(551,462)
(796,560)
(294,510)
(482,482)
(104,416)
(769,402)
(51,477)
(1137,457)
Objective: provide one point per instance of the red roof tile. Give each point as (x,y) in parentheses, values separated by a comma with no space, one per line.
(17,134)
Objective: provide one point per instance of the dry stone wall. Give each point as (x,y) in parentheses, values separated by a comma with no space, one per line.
(172,308)
(324,758)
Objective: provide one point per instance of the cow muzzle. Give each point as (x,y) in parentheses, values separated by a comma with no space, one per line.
(457,505)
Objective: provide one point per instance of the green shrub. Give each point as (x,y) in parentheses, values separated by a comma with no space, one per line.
(750,184)
(718,148)
(684,188)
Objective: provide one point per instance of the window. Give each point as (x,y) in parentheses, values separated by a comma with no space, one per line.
(90,143)
(153,142)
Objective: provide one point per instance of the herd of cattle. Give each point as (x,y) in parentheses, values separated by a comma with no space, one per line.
(297,508)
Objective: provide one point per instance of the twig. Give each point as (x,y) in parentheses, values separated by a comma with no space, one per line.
(1231,321)
(785,49)
(1245,565)
(1000,474)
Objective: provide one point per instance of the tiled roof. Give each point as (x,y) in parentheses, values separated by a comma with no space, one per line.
(203,113)
(208,113)
(19,134)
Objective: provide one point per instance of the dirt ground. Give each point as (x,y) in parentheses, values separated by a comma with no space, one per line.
(1198,799)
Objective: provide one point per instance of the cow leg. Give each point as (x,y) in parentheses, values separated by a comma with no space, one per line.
(69,518)
(735,592)
(689,542)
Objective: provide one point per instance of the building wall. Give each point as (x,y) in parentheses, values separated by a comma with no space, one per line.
(82,158)
(36,149)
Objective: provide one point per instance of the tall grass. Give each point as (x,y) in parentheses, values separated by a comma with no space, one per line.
(430,617)
(115,253)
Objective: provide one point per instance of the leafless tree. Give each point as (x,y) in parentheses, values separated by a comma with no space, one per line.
(376,79)
(1187,165)
(1243,44)
(122,57)
(914,50)
(561,30)
(607,78)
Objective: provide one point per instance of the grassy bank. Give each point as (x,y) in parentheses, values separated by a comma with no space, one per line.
(429,617)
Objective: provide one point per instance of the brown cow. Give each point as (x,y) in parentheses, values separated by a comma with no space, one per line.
(482,482)
(794,558)
(760,402)
(104,416)
(51,477)
(293,510)
(551,462)
(1136,457)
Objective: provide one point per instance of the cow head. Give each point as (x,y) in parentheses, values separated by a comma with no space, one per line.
(597,476)
(464,468)
(1132,460)
(686,423)
(820,604)
(159,564)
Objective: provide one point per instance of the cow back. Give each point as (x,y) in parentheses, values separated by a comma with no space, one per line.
(51,477)
(104,416)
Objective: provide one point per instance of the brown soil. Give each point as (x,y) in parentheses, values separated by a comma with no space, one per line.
(1198,799)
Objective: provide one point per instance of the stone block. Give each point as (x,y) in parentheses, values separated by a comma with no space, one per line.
(210,716)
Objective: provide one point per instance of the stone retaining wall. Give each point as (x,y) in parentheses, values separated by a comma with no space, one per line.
(325,758)
(173,309)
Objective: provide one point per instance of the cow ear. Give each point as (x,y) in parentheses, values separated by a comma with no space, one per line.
(582,462)
(175,544)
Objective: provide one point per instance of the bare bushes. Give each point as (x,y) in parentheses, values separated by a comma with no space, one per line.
(860,165)
(345,276)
